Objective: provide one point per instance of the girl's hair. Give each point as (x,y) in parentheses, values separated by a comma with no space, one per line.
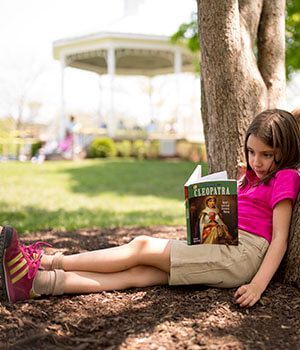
(278,129)
(296,114)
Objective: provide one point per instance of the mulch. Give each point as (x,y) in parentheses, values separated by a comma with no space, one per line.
(162,317)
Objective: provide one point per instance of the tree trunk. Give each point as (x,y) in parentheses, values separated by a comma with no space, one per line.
(289,271)
(235,84)
(290,268)
(242,73)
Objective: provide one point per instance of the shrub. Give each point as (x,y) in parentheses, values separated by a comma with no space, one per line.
(124,148)
(35,148)
(13,150)
(183,149)
(102,147)
(203,154)
(139,149)
(153,149)
(191,150)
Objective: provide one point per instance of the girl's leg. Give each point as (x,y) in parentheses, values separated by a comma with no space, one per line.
(91,282)
(79,282)
(142,250)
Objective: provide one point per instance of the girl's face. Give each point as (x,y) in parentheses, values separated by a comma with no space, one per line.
(261,156)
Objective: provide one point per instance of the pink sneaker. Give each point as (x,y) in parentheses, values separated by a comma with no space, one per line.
(17,267)
(33,251)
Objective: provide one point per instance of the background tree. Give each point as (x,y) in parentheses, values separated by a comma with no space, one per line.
(187,34)
(242,73)
(16,87)
(292,36)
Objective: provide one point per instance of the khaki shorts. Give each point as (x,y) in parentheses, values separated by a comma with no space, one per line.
(215,264)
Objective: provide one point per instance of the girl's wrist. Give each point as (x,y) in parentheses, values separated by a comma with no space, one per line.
(260,286)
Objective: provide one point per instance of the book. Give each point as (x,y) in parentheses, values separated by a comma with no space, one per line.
(211,208)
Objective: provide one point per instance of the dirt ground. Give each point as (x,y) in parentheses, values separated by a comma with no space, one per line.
(151,318)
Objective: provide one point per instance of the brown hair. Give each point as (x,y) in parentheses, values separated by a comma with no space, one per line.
(296,114)
(278,129)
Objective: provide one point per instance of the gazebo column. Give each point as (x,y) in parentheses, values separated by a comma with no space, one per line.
(177,71)
(111,70)
(62,123)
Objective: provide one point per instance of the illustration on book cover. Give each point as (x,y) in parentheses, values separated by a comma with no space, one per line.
(211,211)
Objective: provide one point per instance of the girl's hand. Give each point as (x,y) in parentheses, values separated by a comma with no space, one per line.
(241,170)
(248,294)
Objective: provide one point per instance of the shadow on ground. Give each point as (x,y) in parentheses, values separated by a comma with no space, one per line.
(138,178)
(32,216)
(151,318)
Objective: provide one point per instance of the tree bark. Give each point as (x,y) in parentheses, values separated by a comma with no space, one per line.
(270,56)
(233,87)
(290,268)
(242,73)
(289,271)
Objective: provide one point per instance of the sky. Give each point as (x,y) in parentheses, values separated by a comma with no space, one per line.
(28,29)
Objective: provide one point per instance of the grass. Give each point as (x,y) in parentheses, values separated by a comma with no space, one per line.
(92,193)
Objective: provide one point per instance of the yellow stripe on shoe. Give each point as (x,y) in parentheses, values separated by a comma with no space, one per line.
(15,259)
(33,295)
(19,276)
(18,267)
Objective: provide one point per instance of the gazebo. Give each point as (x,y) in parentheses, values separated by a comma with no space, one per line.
(121,54)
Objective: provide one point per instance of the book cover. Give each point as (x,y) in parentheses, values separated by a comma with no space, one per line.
(211,208)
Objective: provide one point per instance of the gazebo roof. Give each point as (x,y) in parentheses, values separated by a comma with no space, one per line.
(135,54)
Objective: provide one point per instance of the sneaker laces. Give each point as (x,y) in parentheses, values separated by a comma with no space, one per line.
(34,249)
(33,254)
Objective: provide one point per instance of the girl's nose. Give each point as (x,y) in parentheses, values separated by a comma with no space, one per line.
(257,161)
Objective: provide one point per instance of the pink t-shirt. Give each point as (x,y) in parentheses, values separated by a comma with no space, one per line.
(256,203)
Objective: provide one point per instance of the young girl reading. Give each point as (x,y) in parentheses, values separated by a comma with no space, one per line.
(266,194)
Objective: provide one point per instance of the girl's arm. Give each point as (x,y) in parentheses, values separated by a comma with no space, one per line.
(249,294)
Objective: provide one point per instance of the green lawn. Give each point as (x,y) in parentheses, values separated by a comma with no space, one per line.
(92,193)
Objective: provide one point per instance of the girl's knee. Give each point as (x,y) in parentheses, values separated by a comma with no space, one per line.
(140,242)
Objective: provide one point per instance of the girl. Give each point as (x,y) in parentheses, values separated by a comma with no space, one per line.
(266,195)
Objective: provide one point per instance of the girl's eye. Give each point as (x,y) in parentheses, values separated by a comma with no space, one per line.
(268,155)
(250,151)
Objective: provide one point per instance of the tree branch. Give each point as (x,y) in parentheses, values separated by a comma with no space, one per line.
(250,11)
(271,50)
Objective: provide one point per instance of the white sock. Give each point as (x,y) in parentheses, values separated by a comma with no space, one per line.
(49,282)
(52,262)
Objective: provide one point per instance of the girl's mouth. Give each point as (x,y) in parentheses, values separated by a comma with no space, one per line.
(260,172)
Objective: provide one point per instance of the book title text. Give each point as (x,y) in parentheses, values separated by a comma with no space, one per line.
(211,191)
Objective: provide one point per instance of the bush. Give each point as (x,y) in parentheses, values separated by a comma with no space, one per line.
(35,148)
(153,149)
(192,151)
(139,149)
(13,150)
(124,148)
(183,149)
(102,147)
